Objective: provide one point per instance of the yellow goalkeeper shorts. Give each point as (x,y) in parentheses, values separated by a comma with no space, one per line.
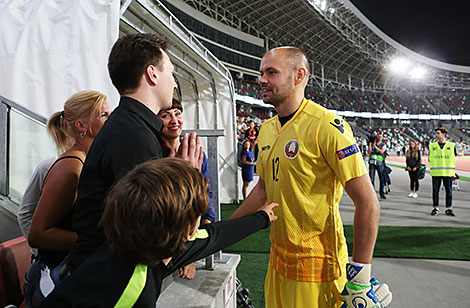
(283,292)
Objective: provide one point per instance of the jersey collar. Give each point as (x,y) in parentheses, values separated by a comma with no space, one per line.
(280,128)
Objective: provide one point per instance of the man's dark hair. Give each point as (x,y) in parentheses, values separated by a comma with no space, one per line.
(148,212)
(130,57)
(443,130)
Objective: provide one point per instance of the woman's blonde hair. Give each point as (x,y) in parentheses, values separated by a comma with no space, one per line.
(83,105)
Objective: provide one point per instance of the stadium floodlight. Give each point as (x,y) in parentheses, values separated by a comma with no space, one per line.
(417,73)
(323,5)
(332,10)
(399,65)
(317,2)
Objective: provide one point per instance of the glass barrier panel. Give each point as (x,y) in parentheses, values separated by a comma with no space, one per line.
(29,145)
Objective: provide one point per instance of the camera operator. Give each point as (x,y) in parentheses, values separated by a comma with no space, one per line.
(364,151)
(377,161)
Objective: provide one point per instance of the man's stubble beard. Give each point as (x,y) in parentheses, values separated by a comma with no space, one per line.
(285,91)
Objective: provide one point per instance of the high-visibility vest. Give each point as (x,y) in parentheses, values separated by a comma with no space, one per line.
(375,155)
(442,161)
(378,157)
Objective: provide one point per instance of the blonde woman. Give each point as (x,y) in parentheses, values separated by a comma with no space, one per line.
(73,130)
(413,161)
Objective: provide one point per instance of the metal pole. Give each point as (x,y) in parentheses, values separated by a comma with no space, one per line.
(4,187)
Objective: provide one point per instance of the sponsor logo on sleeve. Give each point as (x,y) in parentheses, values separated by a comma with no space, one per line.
(338,124)
(348,151)
(265,148)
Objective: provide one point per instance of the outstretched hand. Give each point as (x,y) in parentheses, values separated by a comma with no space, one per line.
(190,150)
(268,208)
(188,272)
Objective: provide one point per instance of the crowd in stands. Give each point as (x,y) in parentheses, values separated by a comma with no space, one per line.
(466,131)
(377,103)
(324,99)
(456,104)
(241,113)
(399,138)
(247,88)
(410,105)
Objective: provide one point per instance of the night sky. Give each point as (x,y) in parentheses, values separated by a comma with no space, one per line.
(437,29)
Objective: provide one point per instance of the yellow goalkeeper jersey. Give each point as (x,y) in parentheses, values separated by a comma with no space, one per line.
(305,164)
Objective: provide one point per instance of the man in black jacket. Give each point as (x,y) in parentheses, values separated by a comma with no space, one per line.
(142,72)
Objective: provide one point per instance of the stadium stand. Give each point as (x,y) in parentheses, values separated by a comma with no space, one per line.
(373,102)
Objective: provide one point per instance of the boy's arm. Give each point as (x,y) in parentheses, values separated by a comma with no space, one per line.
(219,235)
(255,200)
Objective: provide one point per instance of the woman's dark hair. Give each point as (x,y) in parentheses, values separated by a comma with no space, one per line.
(148,213)
(175,104)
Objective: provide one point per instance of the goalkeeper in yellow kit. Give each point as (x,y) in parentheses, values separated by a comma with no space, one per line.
(306,156)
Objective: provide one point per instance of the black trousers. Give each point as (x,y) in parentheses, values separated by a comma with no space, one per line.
(414,182)
(436,186)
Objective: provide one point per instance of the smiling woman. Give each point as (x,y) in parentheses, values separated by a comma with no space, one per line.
(170,139)
(172,126)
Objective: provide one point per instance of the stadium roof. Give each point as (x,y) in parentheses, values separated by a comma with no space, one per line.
(345,49)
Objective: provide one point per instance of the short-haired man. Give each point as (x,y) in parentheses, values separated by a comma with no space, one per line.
(377,162)
(151,217)
(442,155)
(142,72)
(307,155)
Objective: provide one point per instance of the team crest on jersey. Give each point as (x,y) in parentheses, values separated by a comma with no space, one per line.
(291,149)
(348,151)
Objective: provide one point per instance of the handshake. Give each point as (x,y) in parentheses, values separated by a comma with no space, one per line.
(362,291)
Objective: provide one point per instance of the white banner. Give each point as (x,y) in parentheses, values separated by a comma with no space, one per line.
(50,49)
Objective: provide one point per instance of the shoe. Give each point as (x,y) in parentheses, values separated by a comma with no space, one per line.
(415,195)
(383,197)
(449,212)
(410,195)
(435,211)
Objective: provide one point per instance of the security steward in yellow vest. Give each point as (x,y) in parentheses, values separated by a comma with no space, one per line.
(442,164)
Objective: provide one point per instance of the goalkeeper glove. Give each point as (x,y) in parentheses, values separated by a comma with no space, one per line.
(361,291)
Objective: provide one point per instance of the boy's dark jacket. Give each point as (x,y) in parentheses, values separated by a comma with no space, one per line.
(102,278)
